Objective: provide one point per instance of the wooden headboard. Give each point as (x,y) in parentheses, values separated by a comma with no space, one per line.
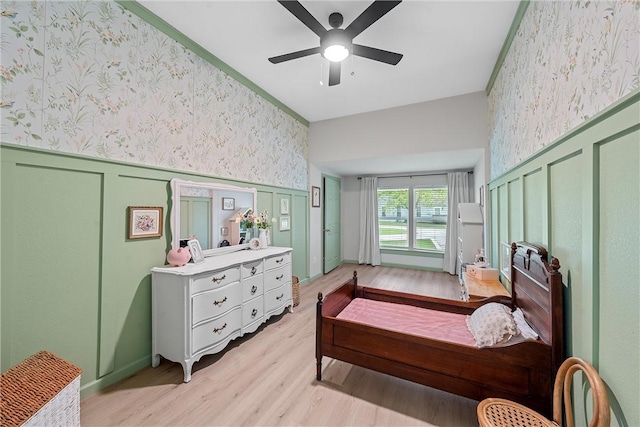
(538,290)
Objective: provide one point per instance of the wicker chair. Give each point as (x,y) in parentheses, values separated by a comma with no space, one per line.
(504,413)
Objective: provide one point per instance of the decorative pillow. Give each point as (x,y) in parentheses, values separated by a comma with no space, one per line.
(491,324)
(525,330)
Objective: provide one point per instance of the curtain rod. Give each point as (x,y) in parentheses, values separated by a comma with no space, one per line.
(414,174)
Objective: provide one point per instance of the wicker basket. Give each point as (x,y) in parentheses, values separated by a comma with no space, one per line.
(295,290)
(43,390)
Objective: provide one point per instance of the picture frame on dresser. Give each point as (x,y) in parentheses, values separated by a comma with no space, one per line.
(196,251)
(144,222)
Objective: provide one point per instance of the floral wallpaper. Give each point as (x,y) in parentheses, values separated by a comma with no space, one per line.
(91,78)
(569,60)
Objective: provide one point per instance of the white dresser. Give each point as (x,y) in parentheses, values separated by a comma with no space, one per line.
(199,308)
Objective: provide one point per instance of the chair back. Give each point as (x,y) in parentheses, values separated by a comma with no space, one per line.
(562,393)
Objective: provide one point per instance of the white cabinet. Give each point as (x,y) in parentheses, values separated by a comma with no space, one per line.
(469,232)
(199,308)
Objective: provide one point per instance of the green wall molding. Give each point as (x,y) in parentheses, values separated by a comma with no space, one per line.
(162,25)
(112,338)
(585,199)
(138,166)
(608,112)
(517,20)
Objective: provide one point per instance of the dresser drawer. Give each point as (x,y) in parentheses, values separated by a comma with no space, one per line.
(252,311)
(215,279)
(277,261)
(277,297)
(207,305)
(252,287)
(275,278)
(216,330)
(251,269)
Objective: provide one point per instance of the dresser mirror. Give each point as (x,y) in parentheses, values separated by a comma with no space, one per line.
(207,211)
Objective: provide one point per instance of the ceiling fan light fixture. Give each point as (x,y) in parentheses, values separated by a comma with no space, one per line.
(335,45)
(336,53)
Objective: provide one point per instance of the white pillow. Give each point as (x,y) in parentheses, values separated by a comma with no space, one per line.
(525,330)
(491,324)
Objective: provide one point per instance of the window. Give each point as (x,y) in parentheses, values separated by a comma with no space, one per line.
(413,218)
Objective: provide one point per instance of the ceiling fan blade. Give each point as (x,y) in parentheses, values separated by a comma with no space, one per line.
(294,55)
(375,11)
(334,74)
(376,54)
(304,16)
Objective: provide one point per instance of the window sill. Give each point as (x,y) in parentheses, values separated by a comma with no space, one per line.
(412,252)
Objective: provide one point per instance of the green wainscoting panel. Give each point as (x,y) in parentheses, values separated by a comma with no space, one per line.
(72,282)
(514,189)
(619,287)
(53,251)
(567,189)
(300,235)
(533,188)
(581,200)
(503,225)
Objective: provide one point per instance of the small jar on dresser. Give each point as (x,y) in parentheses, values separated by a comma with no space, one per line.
(199,308)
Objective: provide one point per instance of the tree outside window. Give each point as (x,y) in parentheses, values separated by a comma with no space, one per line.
(413,218)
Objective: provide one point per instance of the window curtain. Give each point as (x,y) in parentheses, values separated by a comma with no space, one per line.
(369,252)
(458,189)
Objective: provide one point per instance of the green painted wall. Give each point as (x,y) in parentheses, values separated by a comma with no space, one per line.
(71,281)
(581,199)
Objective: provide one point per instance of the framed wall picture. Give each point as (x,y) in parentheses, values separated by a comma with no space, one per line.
(144,222)
(196,251)
(284,223)
(315,197)
(228,203)
(284,206)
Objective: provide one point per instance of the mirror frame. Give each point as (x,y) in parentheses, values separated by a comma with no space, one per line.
(176,190)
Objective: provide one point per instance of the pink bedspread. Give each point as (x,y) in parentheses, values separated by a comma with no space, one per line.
(407,319)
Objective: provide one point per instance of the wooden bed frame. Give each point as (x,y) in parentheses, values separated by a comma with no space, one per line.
(522,372)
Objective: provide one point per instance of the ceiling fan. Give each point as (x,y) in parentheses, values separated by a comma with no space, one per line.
(337,44)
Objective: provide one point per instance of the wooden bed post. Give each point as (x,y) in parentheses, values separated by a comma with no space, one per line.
(557,319)
(355,284)
(319,337)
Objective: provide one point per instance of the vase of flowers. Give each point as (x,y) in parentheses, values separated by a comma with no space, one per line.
(263,223)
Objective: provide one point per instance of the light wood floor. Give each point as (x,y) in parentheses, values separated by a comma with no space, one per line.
(268,378)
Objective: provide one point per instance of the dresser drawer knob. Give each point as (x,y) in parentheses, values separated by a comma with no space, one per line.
(216,330)
(220,302)
(280,277)
(254,312)
(278,261)
(219,279)
(254,288)
(254,270)
(280,297)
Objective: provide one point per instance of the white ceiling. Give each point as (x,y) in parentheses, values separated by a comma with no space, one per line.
(450,48)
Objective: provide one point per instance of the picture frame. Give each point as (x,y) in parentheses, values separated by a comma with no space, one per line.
(284,206)
(196,251)
(315,197)
(228,203)
(144,222)
(285,225)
